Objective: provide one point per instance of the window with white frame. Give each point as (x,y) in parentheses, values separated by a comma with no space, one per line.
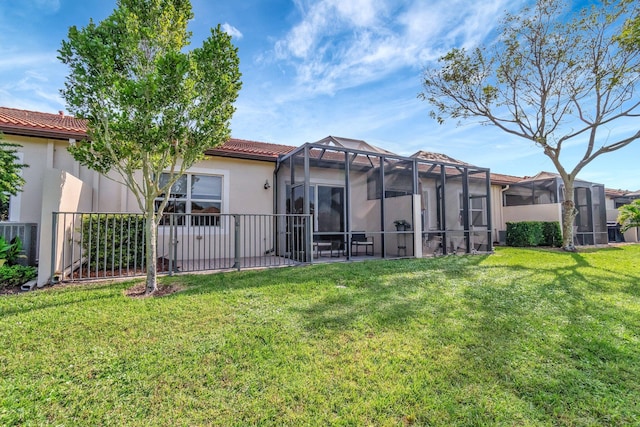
(196,194)
(477,209)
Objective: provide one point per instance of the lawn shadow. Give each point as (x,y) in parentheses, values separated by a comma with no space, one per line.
(554,343)
(389,295)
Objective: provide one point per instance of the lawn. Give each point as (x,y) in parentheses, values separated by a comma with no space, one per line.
(521,337)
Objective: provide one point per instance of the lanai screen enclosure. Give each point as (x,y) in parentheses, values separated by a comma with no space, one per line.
(395,206)
(543,195)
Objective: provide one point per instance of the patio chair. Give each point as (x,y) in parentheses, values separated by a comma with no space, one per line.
(358,239)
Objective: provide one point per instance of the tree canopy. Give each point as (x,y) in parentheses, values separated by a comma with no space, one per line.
(11,181)
(151,105)
(629,215)
(549,79)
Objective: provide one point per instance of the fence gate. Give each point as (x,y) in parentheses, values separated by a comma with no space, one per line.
(101,245)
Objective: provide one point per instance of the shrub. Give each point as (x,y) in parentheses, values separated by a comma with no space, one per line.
(16,275)
(10,252)
(113,240)
(552,233)
(533,233)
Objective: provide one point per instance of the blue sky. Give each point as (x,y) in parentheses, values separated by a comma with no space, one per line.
(313,68)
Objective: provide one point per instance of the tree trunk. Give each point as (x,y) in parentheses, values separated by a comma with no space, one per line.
(151,232)
(569,213)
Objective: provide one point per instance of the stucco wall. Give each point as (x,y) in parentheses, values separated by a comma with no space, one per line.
(548,212)
(497,215)
(61,192)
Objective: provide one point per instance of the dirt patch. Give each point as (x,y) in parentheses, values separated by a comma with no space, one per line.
(137,291)
(10,290)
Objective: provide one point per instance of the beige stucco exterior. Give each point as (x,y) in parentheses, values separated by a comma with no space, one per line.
(61,192)
(55,182)
(548,212)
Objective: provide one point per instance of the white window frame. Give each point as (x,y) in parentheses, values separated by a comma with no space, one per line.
(224,199)
(483,209)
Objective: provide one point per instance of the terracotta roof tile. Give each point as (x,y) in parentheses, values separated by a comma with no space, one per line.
(47,125)
(611,192)
(438,157)
(498,178)
(34,123)
(250,149)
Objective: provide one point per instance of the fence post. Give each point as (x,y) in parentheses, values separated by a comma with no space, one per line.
(236,242)
(308,241)
(54,242)
(173,244)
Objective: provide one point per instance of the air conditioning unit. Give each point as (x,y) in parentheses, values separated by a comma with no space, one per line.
(28,233)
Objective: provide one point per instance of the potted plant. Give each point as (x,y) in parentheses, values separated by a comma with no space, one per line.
(402,225)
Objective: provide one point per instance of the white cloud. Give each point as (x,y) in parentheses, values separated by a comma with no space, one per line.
(231,30)
(338,45)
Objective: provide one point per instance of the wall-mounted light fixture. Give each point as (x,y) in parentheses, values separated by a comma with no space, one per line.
(267,185)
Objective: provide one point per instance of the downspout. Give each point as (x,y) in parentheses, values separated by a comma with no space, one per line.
(501,210)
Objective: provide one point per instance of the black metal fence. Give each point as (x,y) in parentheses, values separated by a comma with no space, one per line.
(102,245)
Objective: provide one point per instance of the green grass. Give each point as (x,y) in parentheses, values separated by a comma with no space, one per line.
(522,337)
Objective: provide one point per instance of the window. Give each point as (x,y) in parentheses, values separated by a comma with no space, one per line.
(395,185)
(329,200)
(477,210)
(195,194)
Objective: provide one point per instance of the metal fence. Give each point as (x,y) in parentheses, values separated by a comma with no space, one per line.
(101,245)
(28,235)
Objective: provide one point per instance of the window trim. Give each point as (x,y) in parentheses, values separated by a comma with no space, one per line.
(224,200)
(483,198)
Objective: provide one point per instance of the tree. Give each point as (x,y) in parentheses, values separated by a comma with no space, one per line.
(150,105)
(630,35)
(629,215)
(11,181)
(553,83)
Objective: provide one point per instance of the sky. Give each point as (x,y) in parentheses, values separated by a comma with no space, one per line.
(313,68)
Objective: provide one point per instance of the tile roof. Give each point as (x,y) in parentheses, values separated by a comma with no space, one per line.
(33,123)
(501,179)
(611,192)
(438,157)
(353,144)
(61,126)
(250,149)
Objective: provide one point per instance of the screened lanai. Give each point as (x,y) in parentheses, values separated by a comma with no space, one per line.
(540,198)
(368,202)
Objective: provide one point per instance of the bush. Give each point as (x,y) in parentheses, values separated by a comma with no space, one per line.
(10,252)
(552,234)
(16,275)
(533,233)
(113,240)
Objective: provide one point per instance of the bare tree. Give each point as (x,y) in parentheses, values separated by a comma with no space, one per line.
(549,79)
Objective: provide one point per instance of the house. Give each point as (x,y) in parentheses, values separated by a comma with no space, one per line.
(250,203)
(540,197)
(614,200)
(236,174)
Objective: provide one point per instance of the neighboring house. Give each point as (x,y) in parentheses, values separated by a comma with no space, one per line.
(540,197)
(362,200)
(614,200)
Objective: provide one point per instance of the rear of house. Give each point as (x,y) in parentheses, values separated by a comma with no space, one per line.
(336,198)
